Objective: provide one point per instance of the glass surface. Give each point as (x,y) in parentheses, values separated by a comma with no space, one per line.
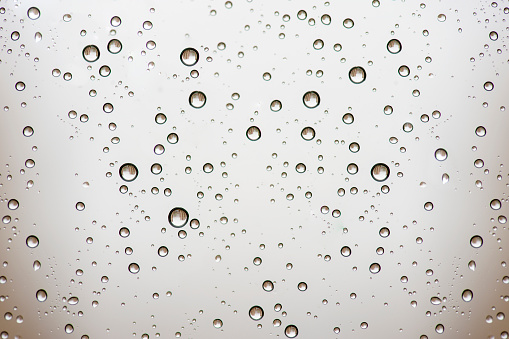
(254,169)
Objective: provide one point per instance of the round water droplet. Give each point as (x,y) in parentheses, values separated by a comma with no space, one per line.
(291,331)
(374,268)
(253,133)
(348,23)
(156,168)
(480,131)
(394,46)
(218,323)
(160,118)
(32,241)
(467,295)
(404,71)
(384,232)
(311,99)
(488,86)
(189,56)
(208,168)
(91,53)
(268,286)
(178,217)
(276,105)
(380,172)
(495,204)
(352,168)
(439,328)
(346,251)
(124,232)
(20,85)
(158,149)
(28,131)
(300,168)
(256,313)
(13,204)
(115,21)
(326,19)
(440,154)
(476,241)
(134,268)
(308,133)
(302,286)
(357,75)
(162,251)
(348,118)
(33,13)
(128,172)
(114,46)
(147,25)
(41,295)
(197,99)
(104,71)
(69,329)
(493,35)
(318,44)
(302,15)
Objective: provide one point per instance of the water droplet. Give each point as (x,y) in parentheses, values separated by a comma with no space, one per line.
(276,105)
(394,46)
(218,323)
(291,331)
(384,232)
(104,71)
(128,172)
(440,154)
(134,268)
(67,17)
(41,295)
(348,118)
(208,168)
(467,295)
(357,75)
(162,251)
(302,286)
(69,329)
(114,46)
(441,17)
(302,15)
(147,25)
(158,149)
(268,286)
(318,44)
(493,35)
(380,172)
(197,99)
(37,265)
(476,241)
(20,85)
(160,118)
(115,21)
(300,168)
(156,168)
(348,23)
(488,85)
(472,265)
(346,251)
(32,241)
(178,217)
(256,313)
(495,204)
(307,133)
(326,19)
(404,71)
(13,204)
(266,76)
(428,206)
(189,56)
(91,53)
(15,36)
(374,268)
(124,232)
(73,301)
(253,133)
(338,47)
(311,99)
(33,13)
(439,328)
(408,127)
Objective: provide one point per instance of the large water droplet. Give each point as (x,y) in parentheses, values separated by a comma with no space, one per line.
(197,99)
(162,251)
(380,172)
(302,286)
(488,86)
(128,172)
(440,154)
(311,99)
(357,75)
(291,331)
(404,71)
(318,44)
(178,217)
(33,13)
(495,204)
(346,251)
(20,86)
(115,21)
(348,23)
(13,204)
(439,328)
(476,241)
(114,46)
(91,53)
(32,241)
(268,285)
(69,329)
(394,46)
(41,295)
(308,133)
(253,133)
(467,295)
(28,131)
(134,268)
(218,323)
(276,105)
(256,313)
(375,268)
(189,56)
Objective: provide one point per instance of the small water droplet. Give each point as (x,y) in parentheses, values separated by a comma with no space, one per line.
(276,105)
(69,329)
(13,204)
(302,15)
(441,154)
(115,21)
(472,265)
(467,295)
(348,23)
(33,13)
(380,172)
(302,286)
(375,268)
(493,35)
(495,204)
(256,313)
(346,251)
(488,85)
(134,268)
(162,251)
(218,323)
(404,71)
(104,71)
(318,44)
(20,85)
(307,133)
(268,286)
(291,331)
(357,75)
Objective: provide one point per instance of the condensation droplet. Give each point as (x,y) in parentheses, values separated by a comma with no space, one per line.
(189,56)
(197,99)
(441,154)
(32,241)
(134,268)
(291,331)
(41,295)
(311,99)
(467,295)
(256,313)
(476,241)
(91,53)
(394,46)
(178,217)
(114,46)
(128,172)
(253,133)
(357,75)
(380,172)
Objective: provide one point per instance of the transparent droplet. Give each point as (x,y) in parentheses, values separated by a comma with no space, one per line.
(276,105)
(384,232)
(158,149)
(352,168)
(380,172)
(13,204)
(253,133)
(160,118)
(134,268)
(178,217)
(439,328)
(41,295)
(318,44)
(218,323)
(115,21)
(472,265)
(73,301)
(476,241)
(488,86)
(32,241)
(156,168)
(493,35)
(348,118)
(33,13)
(302,15)
(291,331)
(428,206)
(69,329)
(15,36)
(346,251)
(37,265)
(440,154)
(256,313)
(357,75)
(300,168)
(480,131)
(374,268)
(467,295)
(495,204)
(208,168)
(268,286)
(114,46)
(128,172)
(124,232)
(20,85)
(162,251)
(67,17)
(197,99)
(302,286)
(326,19)
(189,56)
(311,99)
(307,133)
(404,71)
(91,53)
(348,23)
(104,71)
(394,46)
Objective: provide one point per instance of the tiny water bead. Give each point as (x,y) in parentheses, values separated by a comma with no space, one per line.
(394,46)
(467,295)
(380,172)
(307,133)
(114,46)
(291,331)
(441,154)
(178,217)
(253,133)
(256,313)
(189,56)
(476,241)
(91,53)
(41,295)
(128,172)
(197,99)
(357,75)
(311,99)
(32,241)
(134,268)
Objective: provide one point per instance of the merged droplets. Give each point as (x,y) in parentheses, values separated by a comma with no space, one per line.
(256,313)
(41,295)
(476,241)
(467,295)
(380,172)
(311,99)
(114,46)
(441,154)
(197,99)
(357,75)
(134,268)
(291,331)
(128,172)
(32,241)
(253,133)
(394,46)
(91,53)
(307,133)
(178,217)
(189,56)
